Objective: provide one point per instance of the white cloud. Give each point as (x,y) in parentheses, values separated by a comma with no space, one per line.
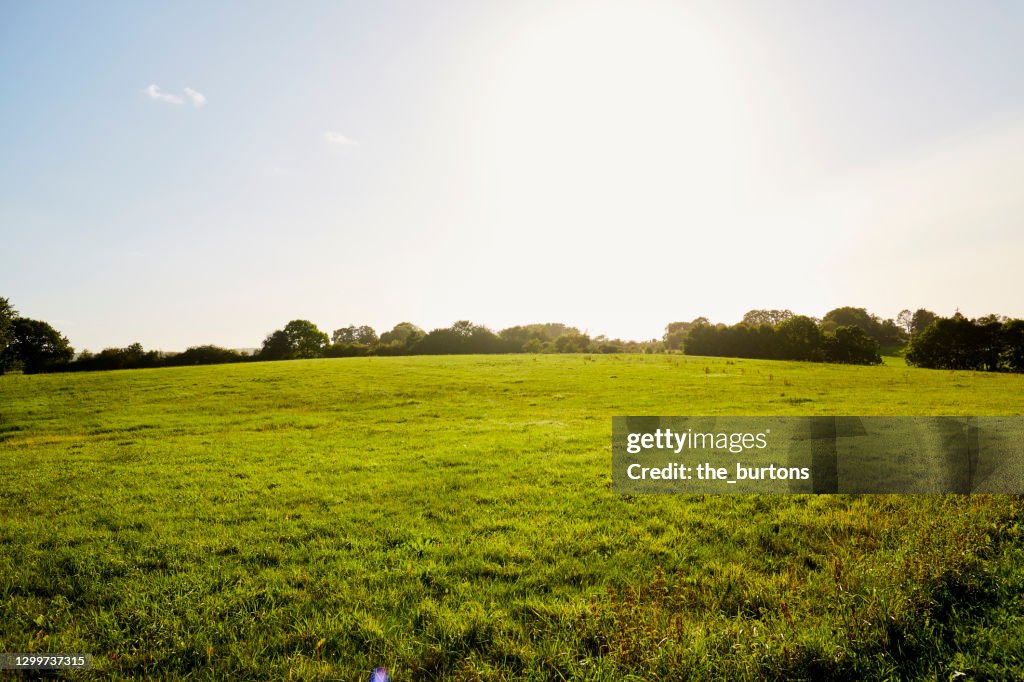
(198,99)
(154,94)
(338,138)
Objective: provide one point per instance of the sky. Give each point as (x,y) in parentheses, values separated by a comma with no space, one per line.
(187,173)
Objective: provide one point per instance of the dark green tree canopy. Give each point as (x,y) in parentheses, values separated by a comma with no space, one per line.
(848,316)
(845,335)
(989,343)
(799,337)
(364,335)
(7,315)
(676,332)
(1013,345)
(352,341)
(461,338)
(543,333)
(129,357)
(276,346)
(921,320)
(298,339)
(572,342)
(755,318)
(205,355)
(850,345)
(402,338)
(305,339)
(882,331)
(795,338)
(36,346)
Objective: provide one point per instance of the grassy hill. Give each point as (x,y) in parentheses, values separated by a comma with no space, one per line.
(451,517)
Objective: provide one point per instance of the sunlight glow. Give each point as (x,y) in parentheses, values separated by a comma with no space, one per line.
(626,112)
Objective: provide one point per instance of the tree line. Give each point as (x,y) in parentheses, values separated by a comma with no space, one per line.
(796,338)
(33,346)
(988,344)
(844,335)
(302,339)
(992,343)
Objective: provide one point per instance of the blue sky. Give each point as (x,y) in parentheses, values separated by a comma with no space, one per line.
(611,165)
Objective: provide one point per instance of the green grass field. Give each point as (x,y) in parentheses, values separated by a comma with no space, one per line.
(452,518)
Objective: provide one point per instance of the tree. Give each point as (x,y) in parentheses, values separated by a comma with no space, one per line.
(572,342)
(533,338)
(460,338)
(848,316)
(402,338)
(483,340)
(533,346)
(205,355)
(676,332)
(298,339)
(905,321)
(133,356)
(890,332)
(991,343)
(7,315)
(344,335)
(36,346)
(921,320)
(675,335)
(988,337)
(441,341)
(1013,345)
(351,341)
(364,335)
(305,339)
(702,339)
(882,331)
(276,347)
(756,318)
(947,343)
(850,345)
(799,338)
(602,344)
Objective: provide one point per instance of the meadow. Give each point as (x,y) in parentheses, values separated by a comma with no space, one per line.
(452,518)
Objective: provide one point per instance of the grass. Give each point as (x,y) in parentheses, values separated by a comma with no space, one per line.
(894,355)
(452,518)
